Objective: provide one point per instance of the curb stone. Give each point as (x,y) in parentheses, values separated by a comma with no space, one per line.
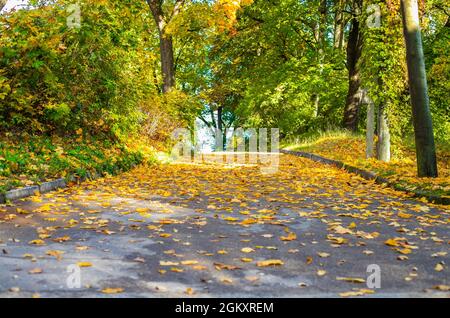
(46,187)
(21,193)
(368,175)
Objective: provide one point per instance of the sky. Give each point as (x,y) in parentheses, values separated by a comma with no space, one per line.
(12,3)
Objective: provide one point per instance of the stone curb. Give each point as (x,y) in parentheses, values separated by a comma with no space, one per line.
(368,175)
(46,187)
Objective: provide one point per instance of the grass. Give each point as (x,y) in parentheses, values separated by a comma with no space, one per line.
(29,160)
(350,149)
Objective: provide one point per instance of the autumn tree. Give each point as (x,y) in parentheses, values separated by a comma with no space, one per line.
(423,127)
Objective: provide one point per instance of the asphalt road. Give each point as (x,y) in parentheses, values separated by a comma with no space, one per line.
(212,230)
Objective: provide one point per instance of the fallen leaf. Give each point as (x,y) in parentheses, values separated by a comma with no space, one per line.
(270,262)
(323,254)
(290,237)
(112,290)
(321,272)
(360,292)
(84,264)
(351,279)
(35,271)
(247,250)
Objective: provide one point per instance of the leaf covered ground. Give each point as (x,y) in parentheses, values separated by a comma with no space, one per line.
(402,169)
(210,229)
(27,160)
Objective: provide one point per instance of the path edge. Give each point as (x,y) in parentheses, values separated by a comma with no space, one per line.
(45,187)
(368,175)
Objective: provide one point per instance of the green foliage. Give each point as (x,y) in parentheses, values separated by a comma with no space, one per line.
(276,70)
(383,69)
(57,78)
(27,160)
(437,54)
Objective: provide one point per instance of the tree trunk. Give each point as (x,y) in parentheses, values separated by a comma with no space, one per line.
(321,41)
(323,23)
(338,36)
(353,101)
(219,118)
(167,62)
(370,128)
(2,4)
(165,44)
(384,137)
(423,127)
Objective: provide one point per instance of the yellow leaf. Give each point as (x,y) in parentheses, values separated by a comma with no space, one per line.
(439,267)
(168,263)
(189,262)
(247,250)
(112,290)
(351,279)
(190,291)
(290,237)
(360,292)
(35,271)
(323,255)
(404,251)
(37,242)
(270,262)
(391,242)
(84,264)
(321,272)
(404,215)
(56,254)
(61,239)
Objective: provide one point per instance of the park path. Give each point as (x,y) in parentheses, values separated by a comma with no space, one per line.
(218,230)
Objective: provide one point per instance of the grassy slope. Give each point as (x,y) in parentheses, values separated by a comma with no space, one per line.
(402,169)
(28,160)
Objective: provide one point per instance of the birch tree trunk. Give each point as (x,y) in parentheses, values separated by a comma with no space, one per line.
(370,125)
(384,137)
(423,126)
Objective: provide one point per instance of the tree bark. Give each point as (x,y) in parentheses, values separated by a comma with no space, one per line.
(423,126)
(165,42)
(384,137)
(219,118)
(167,62)
(338,36)
(321,44)
(354,48)
(370,125)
